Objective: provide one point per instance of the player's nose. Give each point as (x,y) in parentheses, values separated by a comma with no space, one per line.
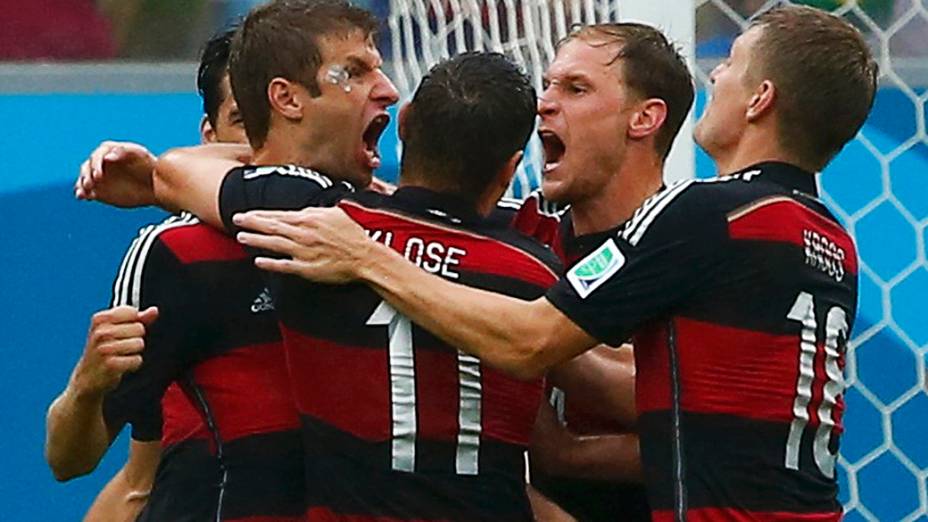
(384,91)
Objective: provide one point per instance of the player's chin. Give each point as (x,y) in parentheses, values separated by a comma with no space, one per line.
(555,189)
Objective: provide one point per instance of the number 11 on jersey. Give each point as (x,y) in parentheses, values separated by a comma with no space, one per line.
(403,396)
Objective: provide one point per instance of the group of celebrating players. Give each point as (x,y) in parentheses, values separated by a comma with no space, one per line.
(304,342)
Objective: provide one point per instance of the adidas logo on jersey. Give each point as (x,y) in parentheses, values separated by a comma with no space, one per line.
(262,303)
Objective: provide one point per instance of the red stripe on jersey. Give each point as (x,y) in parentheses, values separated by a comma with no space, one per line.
(723,370)
(437,394)
(509,406)
(247,391)
(543,227)
(428,244)
(181,419)
(343,386)
(199,243)
(740,515)
(785,220)
(323,514)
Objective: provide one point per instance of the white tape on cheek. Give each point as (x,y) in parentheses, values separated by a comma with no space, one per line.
(338,75)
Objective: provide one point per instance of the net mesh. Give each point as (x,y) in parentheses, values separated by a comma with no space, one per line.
(877,186)
(422,32)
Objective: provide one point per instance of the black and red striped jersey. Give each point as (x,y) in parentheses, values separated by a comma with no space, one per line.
(216,336)
(397,424)
(587,500)
(740,292)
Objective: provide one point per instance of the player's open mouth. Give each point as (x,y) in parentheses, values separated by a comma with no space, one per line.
(554,149)
(371,137)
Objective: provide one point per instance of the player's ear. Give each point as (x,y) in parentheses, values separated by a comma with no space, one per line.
(648,119)
(500,183)
(761,101)
(508,170)
(401,120)
(207,132)
(286,98)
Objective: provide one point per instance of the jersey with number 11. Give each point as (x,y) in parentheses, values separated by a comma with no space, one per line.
(398,424)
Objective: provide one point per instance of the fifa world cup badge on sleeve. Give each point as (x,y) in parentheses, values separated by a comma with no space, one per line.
(595,269)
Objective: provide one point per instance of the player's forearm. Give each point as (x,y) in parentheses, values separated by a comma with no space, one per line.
(597,457)
(601,379)
(500,330)
(125,495)
(76,434)
(605,457)
(190,179)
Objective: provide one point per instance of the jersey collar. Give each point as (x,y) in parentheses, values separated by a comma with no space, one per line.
(786,175)
(436,205)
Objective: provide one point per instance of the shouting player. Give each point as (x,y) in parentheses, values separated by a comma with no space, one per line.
(616,96)
(236,373)
(740,290)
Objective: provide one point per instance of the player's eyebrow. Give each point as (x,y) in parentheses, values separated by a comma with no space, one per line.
(362,62)
(571,77)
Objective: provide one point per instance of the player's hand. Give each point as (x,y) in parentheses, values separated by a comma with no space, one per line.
(118,174)
(114,346)
(323,245)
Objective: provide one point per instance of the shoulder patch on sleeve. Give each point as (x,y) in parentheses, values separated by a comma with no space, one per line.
(595,269)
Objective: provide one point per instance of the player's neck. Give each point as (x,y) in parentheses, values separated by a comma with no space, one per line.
(754,148)
(278,150)
(625,192)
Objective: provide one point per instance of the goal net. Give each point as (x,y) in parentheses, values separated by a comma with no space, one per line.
(878,187)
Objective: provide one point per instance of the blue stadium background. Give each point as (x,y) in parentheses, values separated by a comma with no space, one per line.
(58,256)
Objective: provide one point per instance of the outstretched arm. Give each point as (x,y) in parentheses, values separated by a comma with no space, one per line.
(126,174)
(519,337)
(190,178)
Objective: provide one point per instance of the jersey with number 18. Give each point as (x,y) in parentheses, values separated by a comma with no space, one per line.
(739,292)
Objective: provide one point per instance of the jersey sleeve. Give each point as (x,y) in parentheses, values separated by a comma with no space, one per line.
(276,188)
(152,276)
(667,251)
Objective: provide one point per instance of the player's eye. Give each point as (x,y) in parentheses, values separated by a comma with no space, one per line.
(576,88)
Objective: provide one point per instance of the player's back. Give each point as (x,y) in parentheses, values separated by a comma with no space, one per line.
(217,339)
(397,423)
(739,392)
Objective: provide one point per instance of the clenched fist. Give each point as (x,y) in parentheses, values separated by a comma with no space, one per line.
(114,346)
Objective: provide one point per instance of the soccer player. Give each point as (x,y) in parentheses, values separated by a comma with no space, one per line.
(232,373)
(740,290)
(413,429)
(616,96)
(330,110)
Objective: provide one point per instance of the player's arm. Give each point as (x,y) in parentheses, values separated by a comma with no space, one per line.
(557,451)
(190,178)
(76,433)
(125,174)
(605,296)
(125,495)
(519,337)
(544,509)
(604,377)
